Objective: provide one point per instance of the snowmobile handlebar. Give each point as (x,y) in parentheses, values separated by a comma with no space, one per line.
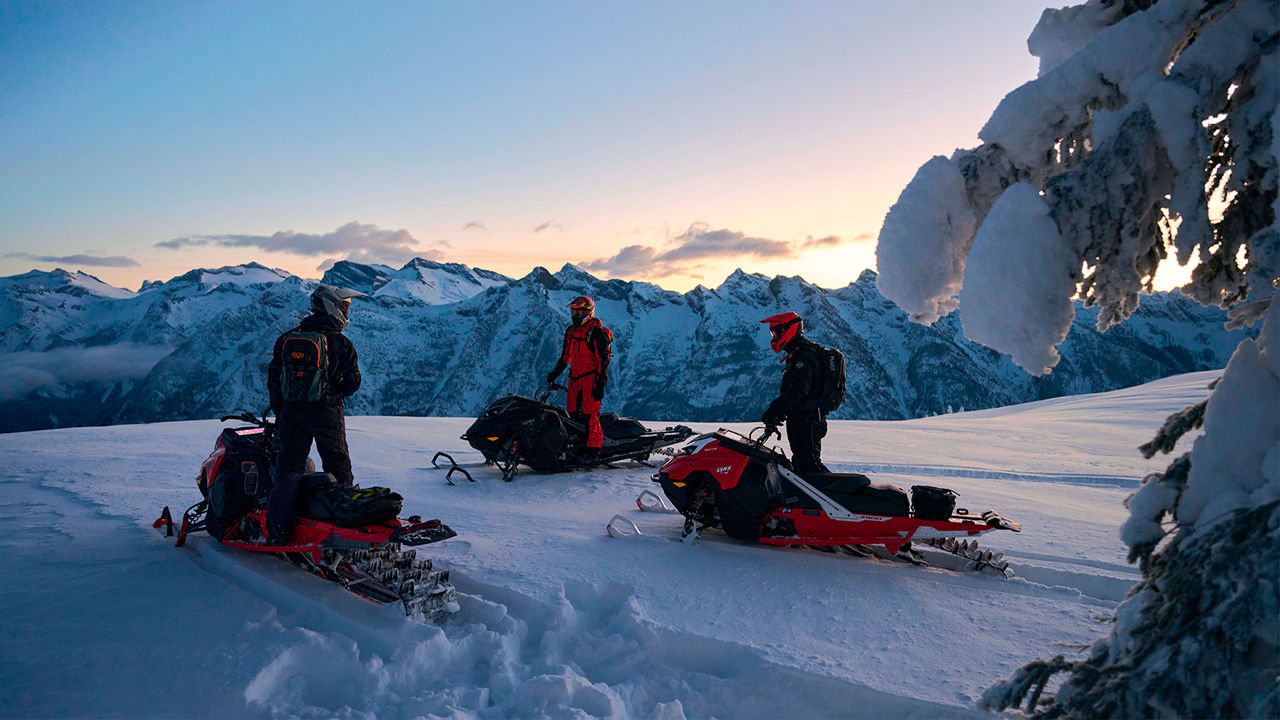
(250,418)
(546,391)
(769,431)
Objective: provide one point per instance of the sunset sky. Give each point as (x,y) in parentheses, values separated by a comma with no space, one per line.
(662,141)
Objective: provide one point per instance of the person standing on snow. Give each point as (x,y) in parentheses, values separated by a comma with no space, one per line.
(798,401)
(586,352)
(313,369)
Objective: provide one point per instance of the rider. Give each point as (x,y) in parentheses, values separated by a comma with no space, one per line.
(797,401)
(586,352)
(313,368)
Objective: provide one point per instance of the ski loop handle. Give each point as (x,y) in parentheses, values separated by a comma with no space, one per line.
(444,455)
(624,526)
(164,521)
(448,477)
(661,505)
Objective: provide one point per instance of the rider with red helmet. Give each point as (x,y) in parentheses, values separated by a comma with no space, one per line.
(586,352)
(797,403)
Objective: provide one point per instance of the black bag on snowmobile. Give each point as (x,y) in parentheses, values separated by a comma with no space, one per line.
(348,506)
(243,476)
(932,503)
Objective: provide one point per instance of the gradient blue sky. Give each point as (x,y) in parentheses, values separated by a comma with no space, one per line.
(667,141)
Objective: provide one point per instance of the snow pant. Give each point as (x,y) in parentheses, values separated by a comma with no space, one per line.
(805,430)
(327,426)
(584,407)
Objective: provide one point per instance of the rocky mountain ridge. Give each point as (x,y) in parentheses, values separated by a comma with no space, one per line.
(84,353)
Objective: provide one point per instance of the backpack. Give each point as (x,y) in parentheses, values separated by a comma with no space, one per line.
(304,366)
(831,390)
(350,506)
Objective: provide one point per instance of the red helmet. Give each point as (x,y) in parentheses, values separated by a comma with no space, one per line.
(581,308)
(783,327)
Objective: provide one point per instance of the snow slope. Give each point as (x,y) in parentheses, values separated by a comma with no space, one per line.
(104,618)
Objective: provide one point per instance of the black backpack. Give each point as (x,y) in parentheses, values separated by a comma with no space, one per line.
(831,390)
(304,366)
(349,506)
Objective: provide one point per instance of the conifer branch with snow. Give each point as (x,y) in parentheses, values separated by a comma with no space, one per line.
(1152,128)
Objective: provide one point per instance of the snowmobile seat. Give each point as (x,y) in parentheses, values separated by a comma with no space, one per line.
(313,481)
(847,483)
(620,428)
(873,500)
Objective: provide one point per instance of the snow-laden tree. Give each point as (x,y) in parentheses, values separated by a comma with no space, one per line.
(1152,129)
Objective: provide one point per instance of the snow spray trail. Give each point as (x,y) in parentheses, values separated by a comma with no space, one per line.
(592,653)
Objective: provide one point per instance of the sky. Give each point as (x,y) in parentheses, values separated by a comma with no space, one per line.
(663,141)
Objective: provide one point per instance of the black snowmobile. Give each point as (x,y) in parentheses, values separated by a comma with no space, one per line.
(515,430)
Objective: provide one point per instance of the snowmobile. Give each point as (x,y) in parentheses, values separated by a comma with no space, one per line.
(515,430)
(752,492)
(346,535)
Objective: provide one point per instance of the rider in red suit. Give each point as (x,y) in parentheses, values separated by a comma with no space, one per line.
(586,352)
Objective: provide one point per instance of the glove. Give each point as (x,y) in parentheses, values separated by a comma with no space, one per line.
(597,390)
(771,418)
(551,377)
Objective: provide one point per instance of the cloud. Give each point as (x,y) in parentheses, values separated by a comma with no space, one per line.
(96,260)
(549,225)
(353,241)
(365,257)
(475,225)
(834,240)
(27,372)
(828,241)
(687,252)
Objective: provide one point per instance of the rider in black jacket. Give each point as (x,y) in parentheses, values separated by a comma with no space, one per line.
(797,401)
(319,417)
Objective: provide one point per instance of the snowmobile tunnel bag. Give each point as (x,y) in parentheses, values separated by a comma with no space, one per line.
(347,505)
(932,503)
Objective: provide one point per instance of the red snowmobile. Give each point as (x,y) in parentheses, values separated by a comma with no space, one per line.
(752,492)
(344,534)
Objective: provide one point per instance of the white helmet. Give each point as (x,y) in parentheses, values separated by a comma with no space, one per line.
(333,301)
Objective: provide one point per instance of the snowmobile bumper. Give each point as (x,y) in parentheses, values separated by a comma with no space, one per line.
(422,533)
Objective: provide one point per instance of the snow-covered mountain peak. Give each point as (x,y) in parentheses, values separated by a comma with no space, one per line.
(63,281)
(419,280)
(357,276)
(236,276)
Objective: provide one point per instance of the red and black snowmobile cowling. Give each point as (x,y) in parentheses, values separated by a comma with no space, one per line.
(345,534)
(724,479)
(515,430)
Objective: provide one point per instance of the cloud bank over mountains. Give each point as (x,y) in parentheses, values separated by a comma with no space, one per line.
(110,261)
(354,241)
(695,247)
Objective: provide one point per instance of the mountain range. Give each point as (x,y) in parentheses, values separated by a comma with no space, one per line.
(445,339)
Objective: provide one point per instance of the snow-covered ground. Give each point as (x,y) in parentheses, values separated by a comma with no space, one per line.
(102,617)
